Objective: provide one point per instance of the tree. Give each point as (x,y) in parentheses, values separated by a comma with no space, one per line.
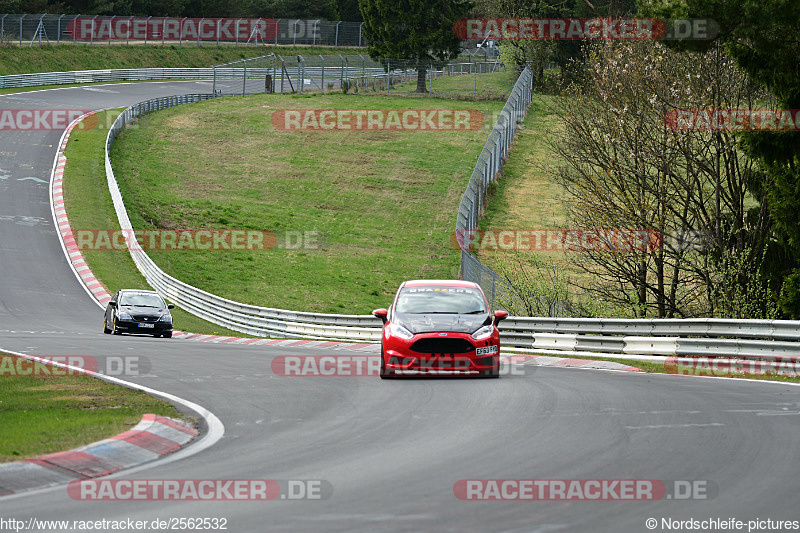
(625,168)
(761,37)
(416,30)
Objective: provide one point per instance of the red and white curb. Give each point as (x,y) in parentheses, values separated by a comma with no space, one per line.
(571,362)
(153,437)
(74,256)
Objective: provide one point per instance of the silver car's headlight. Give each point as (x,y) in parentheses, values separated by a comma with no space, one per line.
(484,332)
(399,331)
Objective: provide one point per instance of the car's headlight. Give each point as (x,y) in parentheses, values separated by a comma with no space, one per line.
(165,318)
(485,331)
(124,315)
(399,331)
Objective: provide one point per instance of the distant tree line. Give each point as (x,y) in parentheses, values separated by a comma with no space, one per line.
(300,9)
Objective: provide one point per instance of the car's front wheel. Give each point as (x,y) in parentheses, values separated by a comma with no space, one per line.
(115,329)
(105,326)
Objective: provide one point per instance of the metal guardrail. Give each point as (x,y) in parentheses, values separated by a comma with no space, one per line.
(133,74)
(489,164)
(746,339)
(253,320)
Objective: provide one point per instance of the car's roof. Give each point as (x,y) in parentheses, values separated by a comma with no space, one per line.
(140,291)
(440,283)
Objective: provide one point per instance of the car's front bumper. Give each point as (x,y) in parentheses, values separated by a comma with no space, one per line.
(432,354)
(132,326)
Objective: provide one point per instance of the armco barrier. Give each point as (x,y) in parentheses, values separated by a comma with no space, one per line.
(659,337)
(132,74)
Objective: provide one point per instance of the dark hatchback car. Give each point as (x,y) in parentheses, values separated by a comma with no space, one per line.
(137,311)
(440,327)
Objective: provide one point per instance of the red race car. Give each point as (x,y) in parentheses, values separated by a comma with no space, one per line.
(440,327)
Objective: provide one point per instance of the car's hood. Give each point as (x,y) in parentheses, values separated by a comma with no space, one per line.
(144,311)
(428,323)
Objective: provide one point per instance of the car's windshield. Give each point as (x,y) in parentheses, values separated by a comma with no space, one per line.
(423,300)
(141,300)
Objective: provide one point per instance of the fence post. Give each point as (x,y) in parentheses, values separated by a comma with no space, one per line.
(58,39)
(277,30)
(359,33)
(218,21)
(336,38)
(20,30)
(301,74)
(294,33)
(147,28)
(180,31)
(314,33)
(199,25)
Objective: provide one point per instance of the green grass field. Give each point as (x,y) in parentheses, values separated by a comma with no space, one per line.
(43,414)
(23,60)
(381,204)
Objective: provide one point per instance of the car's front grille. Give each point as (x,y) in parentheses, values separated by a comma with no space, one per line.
(442,345)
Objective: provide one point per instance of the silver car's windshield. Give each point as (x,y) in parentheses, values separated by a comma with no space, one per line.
(141,300)
(426,300)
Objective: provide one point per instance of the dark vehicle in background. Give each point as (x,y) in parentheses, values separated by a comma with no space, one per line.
(440,327)
(138,311)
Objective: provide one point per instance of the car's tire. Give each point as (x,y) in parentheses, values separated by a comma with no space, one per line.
(167,335)
(105,329)
(114,329)
(491,373)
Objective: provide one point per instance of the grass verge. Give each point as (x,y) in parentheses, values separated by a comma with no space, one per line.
(89,206)
(25,60)
(380,203)
(47,412)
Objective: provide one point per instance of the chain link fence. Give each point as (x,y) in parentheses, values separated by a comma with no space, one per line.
(488,166)
(470,76)
(29,30)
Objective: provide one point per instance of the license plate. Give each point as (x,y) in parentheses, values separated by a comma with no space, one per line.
(486,350)
(143,325)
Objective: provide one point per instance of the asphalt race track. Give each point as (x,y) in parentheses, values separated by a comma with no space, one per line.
(391,450)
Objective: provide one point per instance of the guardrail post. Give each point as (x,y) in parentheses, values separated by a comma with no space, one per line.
(244,76)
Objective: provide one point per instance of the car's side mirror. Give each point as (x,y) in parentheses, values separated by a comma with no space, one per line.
(113,304)
(500,315)
(170,306)
(381,313)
